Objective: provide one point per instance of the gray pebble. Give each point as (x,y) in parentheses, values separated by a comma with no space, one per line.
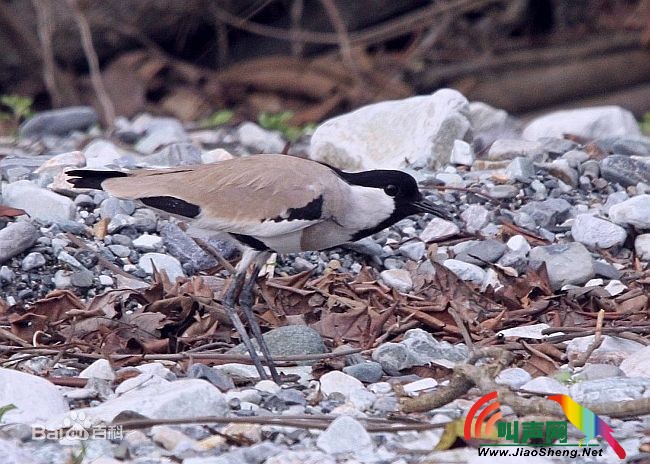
(367,372)
(32,261)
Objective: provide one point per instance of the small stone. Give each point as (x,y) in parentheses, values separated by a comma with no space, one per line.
(614,199)
(544,386)
(82,278)
(637,364)
(413,250)
(298,457)
(101,153)
(465,271)
(16,238)
(219,379)
(184,248)
(506,149)
(612,350)
(40,204)
(6,274)
(569,263)
(596,232)
(169,438)
(514,377)
(62,279)
(561,169)
(606,270)
(59,122)
(518,244)
(612,390)
(367,372)
(462,153)
(642,247)
(575,157)
(338,382)
(485,251)
(290,340)
(548,212)
(84,200)
(557,146)
(635,212)
(521,169)
(215,156)
(419,386)
(502,192)
(112,206)
(344,435)
(172,155)
(398,279)
(590,123)
(120,251)
(159,133)
(438,229)
(32,261)
(147,242)
(475,218)
(100,369)
(625,170)
(162,262)
(106,281)
(598,371)
(252,135)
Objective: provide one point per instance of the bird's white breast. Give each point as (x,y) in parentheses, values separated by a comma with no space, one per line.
(364,208)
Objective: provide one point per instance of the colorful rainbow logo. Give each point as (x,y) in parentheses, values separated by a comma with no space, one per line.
(479,427)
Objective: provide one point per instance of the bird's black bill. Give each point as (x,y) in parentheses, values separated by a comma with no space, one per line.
(426,206)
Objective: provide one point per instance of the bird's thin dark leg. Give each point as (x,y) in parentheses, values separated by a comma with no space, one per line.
(246,303)
(229,299)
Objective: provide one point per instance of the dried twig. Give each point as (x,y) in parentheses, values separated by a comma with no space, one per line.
(598,340)
(104,100)
(211,250)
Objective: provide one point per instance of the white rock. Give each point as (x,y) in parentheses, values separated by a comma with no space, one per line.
(637,364)
(106,281)
(569,263)
(634,211)
(14,454)
(252,135)
(268,386)
(398,279)
(36,399)
(41,204)
(465,271)
(413,250)
(15,238)
(415,388)
(101,153)
(534,331)
(475,217)
(518,244)
(615,287)
(147,242)
(64,160)
(612,350)
(591,123)
(166,263)
(418,131)
(339,382)
(514,377)
(216,155)
(344,435)
(642,246)
(545,386)
(462,153)
(160,132)
(507,149)
(438,229)
(164,400)
(100,369)
(596,232)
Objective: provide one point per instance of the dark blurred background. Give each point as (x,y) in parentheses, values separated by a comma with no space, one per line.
(315,58)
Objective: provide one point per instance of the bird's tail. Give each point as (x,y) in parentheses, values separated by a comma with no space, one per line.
(88,178)
(605,431)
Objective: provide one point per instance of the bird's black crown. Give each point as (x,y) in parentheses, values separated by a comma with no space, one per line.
(397,184)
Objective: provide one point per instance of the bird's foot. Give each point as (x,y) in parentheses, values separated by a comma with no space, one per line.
(246,300)
(232,293)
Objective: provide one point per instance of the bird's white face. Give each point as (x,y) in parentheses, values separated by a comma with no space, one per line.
(368,207)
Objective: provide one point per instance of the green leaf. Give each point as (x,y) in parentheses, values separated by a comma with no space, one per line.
(6,408)
(218,118)
(20,107)
(645,124)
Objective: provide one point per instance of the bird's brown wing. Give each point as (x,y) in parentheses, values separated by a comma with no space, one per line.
(238,194)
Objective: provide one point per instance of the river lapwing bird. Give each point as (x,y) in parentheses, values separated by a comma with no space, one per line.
(269,203)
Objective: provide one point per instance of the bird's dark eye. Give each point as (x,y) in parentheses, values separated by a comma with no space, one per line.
(391,190)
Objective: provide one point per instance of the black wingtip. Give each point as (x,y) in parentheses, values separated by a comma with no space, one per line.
(87,178)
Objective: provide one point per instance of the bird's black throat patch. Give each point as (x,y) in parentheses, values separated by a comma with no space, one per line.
(172,205)
(312,211)
(250,241)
